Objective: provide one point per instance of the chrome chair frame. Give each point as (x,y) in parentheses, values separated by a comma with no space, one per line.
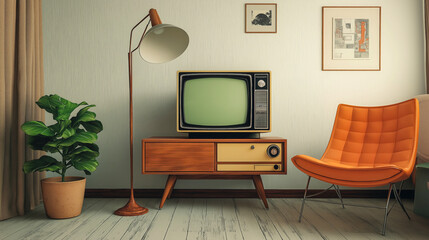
(387,210)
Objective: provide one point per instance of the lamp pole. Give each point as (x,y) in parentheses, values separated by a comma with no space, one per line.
(166,45)
(132,208)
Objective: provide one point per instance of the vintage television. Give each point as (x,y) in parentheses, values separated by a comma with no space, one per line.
(224,104)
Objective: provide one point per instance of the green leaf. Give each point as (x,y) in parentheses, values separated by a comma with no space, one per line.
(93,146)
(89,165)
(54,143)
(34,128)
(60,126)
(60,108)
(55,127)
(85,156)
(64,111)
(49,102)
(81,137)
(93,126)
(87,172)
(86,117)
(50,149)
(44,163)
(84,149)
(84,110)
(68,132)
(38,142)
(83,116)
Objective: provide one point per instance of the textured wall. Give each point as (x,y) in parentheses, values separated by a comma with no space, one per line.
(85,51)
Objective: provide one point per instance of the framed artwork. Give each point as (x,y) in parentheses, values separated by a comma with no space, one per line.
(351,38)
(261,17)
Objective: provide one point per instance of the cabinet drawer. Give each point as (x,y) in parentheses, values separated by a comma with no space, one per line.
(268,167)
(179,157)
(236,167)
(244,152)
(250,167)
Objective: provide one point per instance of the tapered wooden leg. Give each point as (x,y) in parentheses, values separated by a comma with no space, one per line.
(257,180)
(168,187)
(171,189)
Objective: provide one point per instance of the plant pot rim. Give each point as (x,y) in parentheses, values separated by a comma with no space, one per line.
(69,180)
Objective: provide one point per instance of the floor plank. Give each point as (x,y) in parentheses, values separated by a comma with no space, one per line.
(86,227)
(179,224)
(321,220)
(196,222)
(140,225)
(214,224)
(221,219)
(285,228)
(40,225)
(268,228)
(232,226)
(347,220)
(67,227)
(127,224)
(304,229)
(248,223)
(162,220)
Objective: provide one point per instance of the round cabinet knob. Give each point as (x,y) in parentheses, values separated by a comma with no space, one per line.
(273,151)
(261,83)
(276,167)
(252,147)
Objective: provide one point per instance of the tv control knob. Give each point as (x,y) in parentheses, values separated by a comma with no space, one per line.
(276,167)
(261,83)
(273,150)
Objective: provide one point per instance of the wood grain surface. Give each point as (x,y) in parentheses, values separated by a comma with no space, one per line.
(179,157)
(225,218)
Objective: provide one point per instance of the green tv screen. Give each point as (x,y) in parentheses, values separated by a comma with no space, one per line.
(215,101)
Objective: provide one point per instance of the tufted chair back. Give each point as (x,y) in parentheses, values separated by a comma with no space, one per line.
(375,136)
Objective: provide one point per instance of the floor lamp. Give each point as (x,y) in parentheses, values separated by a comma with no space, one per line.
(161,43)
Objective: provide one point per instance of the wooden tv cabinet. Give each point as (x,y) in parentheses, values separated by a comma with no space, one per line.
(186,158)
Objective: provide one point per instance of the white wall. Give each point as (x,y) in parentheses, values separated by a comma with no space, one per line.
(85,51)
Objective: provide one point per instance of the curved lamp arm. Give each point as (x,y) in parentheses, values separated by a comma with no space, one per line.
(131,34)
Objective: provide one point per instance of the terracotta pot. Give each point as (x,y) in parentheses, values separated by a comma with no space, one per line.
(63,199)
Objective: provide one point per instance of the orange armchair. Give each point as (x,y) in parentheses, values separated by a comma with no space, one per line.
(369,147)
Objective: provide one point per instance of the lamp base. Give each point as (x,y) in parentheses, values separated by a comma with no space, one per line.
(131,209)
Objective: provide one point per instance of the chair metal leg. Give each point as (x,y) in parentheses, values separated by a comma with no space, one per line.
(383,231)
(303,200)
(398,199)
(400,187)
(337,190)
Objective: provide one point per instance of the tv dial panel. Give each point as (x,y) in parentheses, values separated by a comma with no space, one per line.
(249,157)
(261,112)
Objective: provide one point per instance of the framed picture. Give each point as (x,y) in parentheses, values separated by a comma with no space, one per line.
(351,39)
(261,17)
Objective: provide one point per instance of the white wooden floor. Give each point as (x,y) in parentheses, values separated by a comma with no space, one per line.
(220,219)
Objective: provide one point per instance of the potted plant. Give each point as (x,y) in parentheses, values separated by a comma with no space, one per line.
(73,141)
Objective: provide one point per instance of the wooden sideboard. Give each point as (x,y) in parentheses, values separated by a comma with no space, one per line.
(186,158)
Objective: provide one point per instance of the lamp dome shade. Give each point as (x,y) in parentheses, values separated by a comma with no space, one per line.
(163,43)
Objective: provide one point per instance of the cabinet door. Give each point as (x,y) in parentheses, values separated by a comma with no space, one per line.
(179,157)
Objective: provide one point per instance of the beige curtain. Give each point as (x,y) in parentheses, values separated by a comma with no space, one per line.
(21,84)
(427,42)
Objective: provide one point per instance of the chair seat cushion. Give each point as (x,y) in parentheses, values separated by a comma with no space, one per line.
(347,175)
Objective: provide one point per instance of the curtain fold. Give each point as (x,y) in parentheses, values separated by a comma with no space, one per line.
(426,6)
(21,85)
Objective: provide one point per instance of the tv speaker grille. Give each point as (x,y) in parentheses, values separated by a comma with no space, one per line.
(261,109)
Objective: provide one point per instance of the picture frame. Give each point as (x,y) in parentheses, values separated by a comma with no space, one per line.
(260,18)
(343,47)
